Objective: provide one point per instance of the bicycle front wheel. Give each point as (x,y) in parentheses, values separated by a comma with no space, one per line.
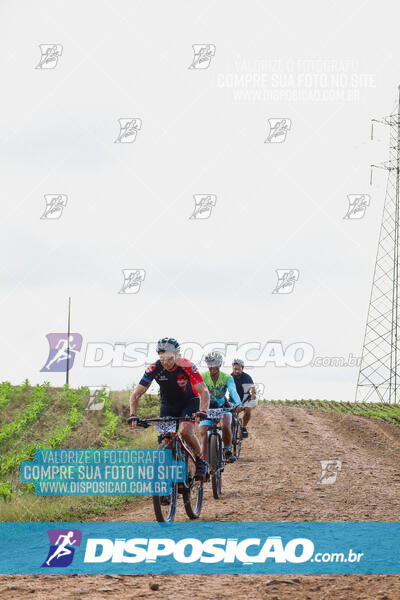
(215,461)
(237,438)
(165,506)
(192,492)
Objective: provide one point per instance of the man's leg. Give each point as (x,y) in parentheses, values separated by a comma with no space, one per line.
(226,430)
(188,434)
(246,419)
(246,416)
(204,440)
(227,437)
(56,553)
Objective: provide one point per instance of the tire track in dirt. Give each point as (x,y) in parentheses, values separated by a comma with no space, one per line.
(276,479)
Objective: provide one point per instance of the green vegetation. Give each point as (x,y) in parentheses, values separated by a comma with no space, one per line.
(379,411)
(74,401)
(110,421)
(5,394)
(39,398)
(41,417)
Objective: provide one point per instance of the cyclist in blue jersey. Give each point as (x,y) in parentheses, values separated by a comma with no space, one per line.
(219,384)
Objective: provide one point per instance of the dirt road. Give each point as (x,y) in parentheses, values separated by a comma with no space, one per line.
(276,479)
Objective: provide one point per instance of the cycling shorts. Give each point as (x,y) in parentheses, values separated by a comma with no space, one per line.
(168,409)
(208,422)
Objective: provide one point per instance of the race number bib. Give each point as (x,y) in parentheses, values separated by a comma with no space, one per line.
(167,427)
(215,413)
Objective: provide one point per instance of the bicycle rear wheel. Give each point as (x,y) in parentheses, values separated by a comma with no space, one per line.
(234,430)
(165,506)
(237,437)
(192,491)
(215,461)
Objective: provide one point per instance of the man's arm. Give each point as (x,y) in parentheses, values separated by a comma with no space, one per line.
(249,387)
(233,391)
(134,400)
(141,388)
(204,394)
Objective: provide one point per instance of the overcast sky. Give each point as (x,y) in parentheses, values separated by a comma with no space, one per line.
(203,131)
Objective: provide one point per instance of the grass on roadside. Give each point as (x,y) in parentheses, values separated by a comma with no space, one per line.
(95,429)
(26,506)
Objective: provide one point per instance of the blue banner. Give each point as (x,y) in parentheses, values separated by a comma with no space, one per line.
(203,548)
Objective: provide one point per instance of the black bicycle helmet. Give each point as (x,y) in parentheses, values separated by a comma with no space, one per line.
(167,344)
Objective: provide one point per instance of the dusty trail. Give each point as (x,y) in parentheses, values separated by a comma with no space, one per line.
(276,479)
(277,476)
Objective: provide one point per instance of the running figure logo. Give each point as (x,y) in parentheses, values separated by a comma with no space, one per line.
(97,397)
(128,129)
(203,205)
(286,280)
(50,53)
(55,203)
(61,358)
(278,129)
(330,470)
(357,206)
(203,54)
(132,280)
(61,550)
(259,390)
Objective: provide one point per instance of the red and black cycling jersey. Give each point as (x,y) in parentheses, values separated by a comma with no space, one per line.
(177,385)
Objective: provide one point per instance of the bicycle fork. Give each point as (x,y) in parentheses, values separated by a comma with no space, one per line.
(216,463)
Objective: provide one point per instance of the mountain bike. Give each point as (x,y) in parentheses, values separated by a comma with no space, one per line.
(191,489)
(216,462)
(237,432)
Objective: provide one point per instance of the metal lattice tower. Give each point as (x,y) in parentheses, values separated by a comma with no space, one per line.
(379,376)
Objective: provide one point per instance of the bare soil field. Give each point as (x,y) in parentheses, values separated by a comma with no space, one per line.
(276,479)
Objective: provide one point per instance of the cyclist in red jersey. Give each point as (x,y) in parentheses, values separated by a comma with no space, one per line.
(183,393)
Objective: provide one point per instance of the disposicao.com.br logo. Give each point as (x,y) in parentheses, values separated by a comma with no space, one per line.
(247,551)
(202,547)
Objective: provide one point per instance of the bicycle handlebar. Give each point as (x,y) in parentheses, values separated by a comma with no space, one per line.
(146,422)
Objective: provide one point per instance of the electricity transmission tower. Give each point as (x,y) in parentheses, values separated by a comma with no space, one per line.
(379,376)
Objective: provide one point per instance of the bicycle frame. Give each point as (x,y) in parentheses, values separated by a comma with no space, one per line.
(174,438)
(215,427)
(191,489)
(176,442)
